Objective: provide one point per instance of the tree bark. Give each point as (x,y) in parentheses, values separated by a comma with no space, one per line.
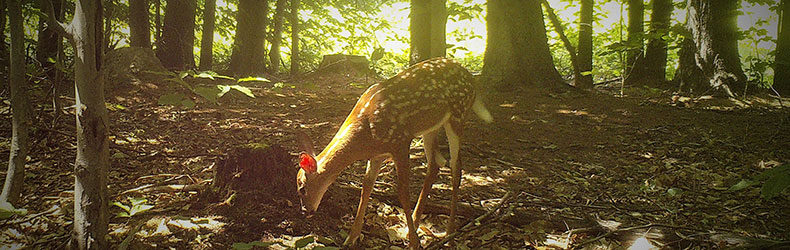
(207,41)
(178,35)
(109,8)
(277,37)
(139,27)
(48,39)
(713,24)
(428,21)
(294,37)
(651,69)
(517,51)
(636,30)
(689,77)
(248,56)
(158,21)
(92,161)
(20,107)
(3,52)
(584,78)
(782,66)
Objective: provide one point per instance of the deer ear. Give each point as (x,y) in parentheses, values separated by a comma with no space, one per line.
(305,143)
(307,162)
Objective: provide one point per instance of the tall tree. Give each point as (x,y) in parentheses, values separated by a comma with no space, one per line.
(294,37)
(249,53)
(782,66)
(427,23)
(713,24)
(139,27)
(178,35)
(277,36)
(207,41)
(517,50)
(92,161)
(3,52)
(584,78)
(20,108)
(651,69)
(636,30)
(157,21)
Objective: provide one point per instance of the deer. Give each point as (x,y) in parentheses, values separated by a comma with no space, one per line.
(420,101)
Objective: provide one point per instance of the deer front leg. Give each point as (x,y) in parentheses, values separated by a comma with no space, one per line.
(434,160)
(453,131)
(401,160)
(371,173)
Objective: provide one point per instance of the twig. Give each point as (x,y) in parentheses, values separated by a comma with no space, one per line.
(473,223)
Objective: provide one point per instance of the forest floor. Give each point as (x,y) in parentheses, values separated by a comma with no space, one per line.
(553,171)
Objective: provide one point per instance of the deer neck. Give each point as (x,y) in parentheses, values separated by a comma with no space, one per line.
(350,144)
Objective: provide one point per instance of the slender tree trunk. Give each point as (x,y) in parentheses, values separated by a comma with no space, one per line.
(713,24)
(139,27)
(517,51)
(651,70)
(636,30)
(3,52)
(295,37)
(560,29)
(92,161)
(207,41)
(20,107)
(248,56)
(109,9)
(584,78)
(782,66)
(689,77)
(277,37)
(178,35)
(428,21)
(48,39)
(158,21)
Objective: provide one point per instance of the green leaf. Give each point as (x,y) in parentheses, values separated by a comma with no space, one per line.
(170,99)
(673,191)
(137,201)
(7,210)
(252,79)
(489,235)
(188,103)
(139,209)
(204,75)
(775,185)
(123,215)
(304,241)
(772,172)
(243,89)
(743,184)
(223,89)
(210,94)
(121,205)
(119,155)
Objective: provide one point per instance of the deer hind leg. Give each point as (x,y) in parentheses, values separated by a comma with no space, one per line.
(401,159)
(434,160)
(371,173)
(454,131)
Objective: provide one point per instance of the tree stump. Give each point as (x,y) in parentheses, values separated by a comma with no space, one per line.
(340,63)
(255,169)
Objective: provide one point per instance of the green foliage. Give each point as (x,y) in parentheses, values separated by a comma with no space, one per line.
(211,92)
(136,206)
(775,181)
(7,210)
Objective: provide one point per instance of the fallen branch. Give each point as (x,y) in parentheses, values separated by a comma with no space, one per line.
(473,224)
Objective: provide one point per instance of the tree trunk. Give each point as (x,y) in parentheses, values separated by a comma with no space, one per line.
(139,27)
(782,66)
(651,70)
(48,39)
(517,51)
(636,30)
(109,8)
(248,56)
(20,107)
(689,78)
(207,41)
(92,161)
(584,78)
(294,37)
(178,35)
(428,21)
(3,52)
(90,167)
(277,37)
(158,21)
(715,31)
